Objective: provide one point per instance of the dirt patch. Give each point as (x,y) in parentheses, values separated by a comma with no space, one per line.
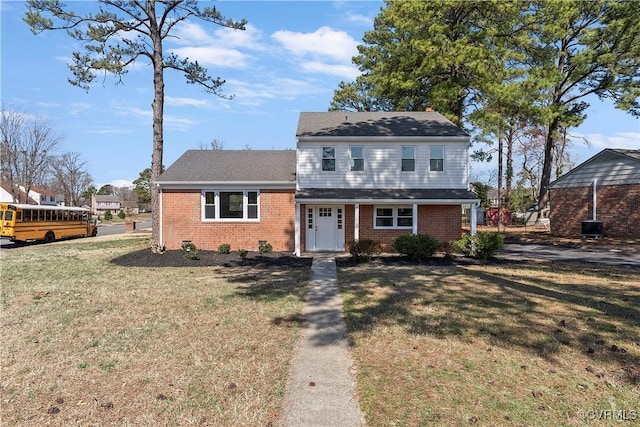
(275,260)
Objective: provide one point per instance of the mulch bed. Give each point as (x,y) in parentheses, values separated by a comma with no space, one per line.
(276,260)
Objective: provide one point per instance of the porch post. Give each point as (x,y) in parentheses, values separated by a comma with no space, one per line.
(474,218)
(297,230)
(356,221)
(415,219)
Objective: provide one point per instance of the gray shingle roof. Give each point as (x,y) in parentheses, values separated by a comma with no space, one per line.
(260,166)
(610,167)
(376,124)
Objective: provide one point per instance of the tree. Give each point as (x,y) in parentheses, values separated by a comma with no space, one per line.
(215,144)
(357,96)
(70,177)
(105,190)
(121,33)
(578,49)
(25,149)
(143,187)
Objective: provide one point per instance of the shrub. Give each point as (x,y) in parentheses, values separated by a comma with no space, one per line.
(265,248)
(364,249)
(483,245)
(189,250)
(417,247)
(243,253)
(121,214)
(108,216)
(224,248)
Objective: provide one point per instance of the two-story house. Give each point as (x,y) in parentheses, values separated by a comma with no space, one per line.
(373,175)
(101,203)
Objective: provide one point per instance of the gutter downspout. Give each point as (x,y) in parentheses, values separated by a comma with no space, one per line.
(595,199)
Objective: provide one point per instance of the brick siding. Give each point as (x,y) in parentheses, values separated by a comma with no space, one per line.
(444,222)
(618,207)
(182,220)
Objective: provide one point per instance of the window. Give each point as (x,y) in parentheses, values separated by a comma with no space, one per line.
(436,158)
(328,159)
(393,217)
(408,159)
(357,159)
(230,205)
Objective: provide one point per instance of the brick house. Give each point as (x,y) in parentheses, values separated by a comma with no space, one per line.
(372,175)
(606,187)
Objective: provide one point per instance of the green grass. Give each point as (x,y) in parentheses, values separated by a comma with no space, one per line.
(141,346)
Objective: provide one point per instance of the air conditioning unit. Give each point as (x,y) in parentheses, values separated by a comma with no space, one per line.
(591,228)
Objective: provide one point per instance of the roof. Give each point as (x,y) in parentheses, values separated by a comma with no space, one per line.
(106,198)
(232,166)
(376,124)
(397,194)
(611,166)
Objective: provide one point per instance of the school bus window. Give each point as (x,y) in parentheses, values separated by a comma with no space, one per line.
(18,215)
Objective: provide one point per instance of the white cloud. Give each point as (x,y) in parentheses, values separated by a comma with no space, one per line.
(189,102)
(119,183)
(251,93)
(325,42)
(213,55)
(347,72)
(623,140)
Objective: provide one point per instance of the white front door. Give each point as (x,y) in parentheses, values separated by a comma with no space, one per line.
(325,229)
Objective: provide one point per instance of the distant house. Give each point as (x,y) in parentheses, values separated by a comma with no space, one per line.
(36,196)
(103,203)
(44,197)
(606,188)
(353,176)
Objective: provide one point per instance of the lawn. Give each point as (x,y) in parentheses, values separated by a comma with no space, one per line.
(90,341)
(494,344)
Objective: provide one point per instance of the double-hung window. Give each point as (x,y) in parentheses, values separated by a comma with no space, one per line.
(328,159)
(230,205)
(393,217)
(408,159)
(357,158)
(436,158)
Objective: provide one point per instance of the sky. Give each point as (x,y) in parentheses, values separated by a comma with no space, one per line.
(290,59)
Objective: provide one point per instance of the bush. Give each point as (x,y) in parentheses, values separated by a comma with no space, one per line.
(243,253)
(364,249)
(265,248)
(418,247)
(121,214)
(483,245)
(189,250)
(224,248)
(108,216)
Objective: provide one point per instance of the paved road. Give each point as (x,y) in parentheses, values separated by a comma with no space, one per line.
(520,251)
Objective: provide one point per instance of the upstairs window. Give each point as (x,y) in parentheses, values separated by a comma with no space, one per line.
(436,158)
(328,159)
(408,159)
(357,159)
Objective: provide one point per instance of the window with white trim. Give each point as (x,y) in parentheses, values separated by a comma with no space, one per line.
(408,159)
(230,205)
(393,217)
(357,158)
(436,158)
(328,159)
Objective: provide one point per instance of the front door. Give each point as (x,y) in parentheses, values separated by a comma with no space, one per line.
(325,229)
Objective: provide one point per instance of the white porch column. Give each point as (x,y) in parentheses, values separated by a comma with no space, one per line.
(356,221)
(474,218)
(415,219)
(297,231)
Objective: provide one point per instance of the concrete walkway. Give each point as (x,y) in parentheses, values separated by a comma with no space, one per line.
(320,388)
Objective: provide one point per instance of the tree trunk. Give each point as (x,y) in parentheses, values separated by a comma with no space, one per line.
(158,134)
(546,166)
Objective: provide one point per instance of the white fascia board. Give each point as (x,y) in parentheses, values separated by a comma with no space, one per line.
(395,139)
(388,201)
(186,185)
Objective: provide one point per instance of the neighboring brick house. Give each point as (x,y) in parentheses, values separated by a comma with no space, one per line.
(353,176)
(611,179)
(101,203)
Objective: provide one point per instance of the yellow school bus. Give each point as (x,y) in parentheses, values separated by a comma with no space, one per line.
(22,223)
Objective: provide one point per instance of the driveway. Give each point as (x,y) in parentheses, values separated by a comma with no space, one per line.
(550,252)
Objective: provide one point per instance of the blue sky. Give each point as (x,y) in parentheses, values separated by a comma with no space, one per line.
(290,59)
